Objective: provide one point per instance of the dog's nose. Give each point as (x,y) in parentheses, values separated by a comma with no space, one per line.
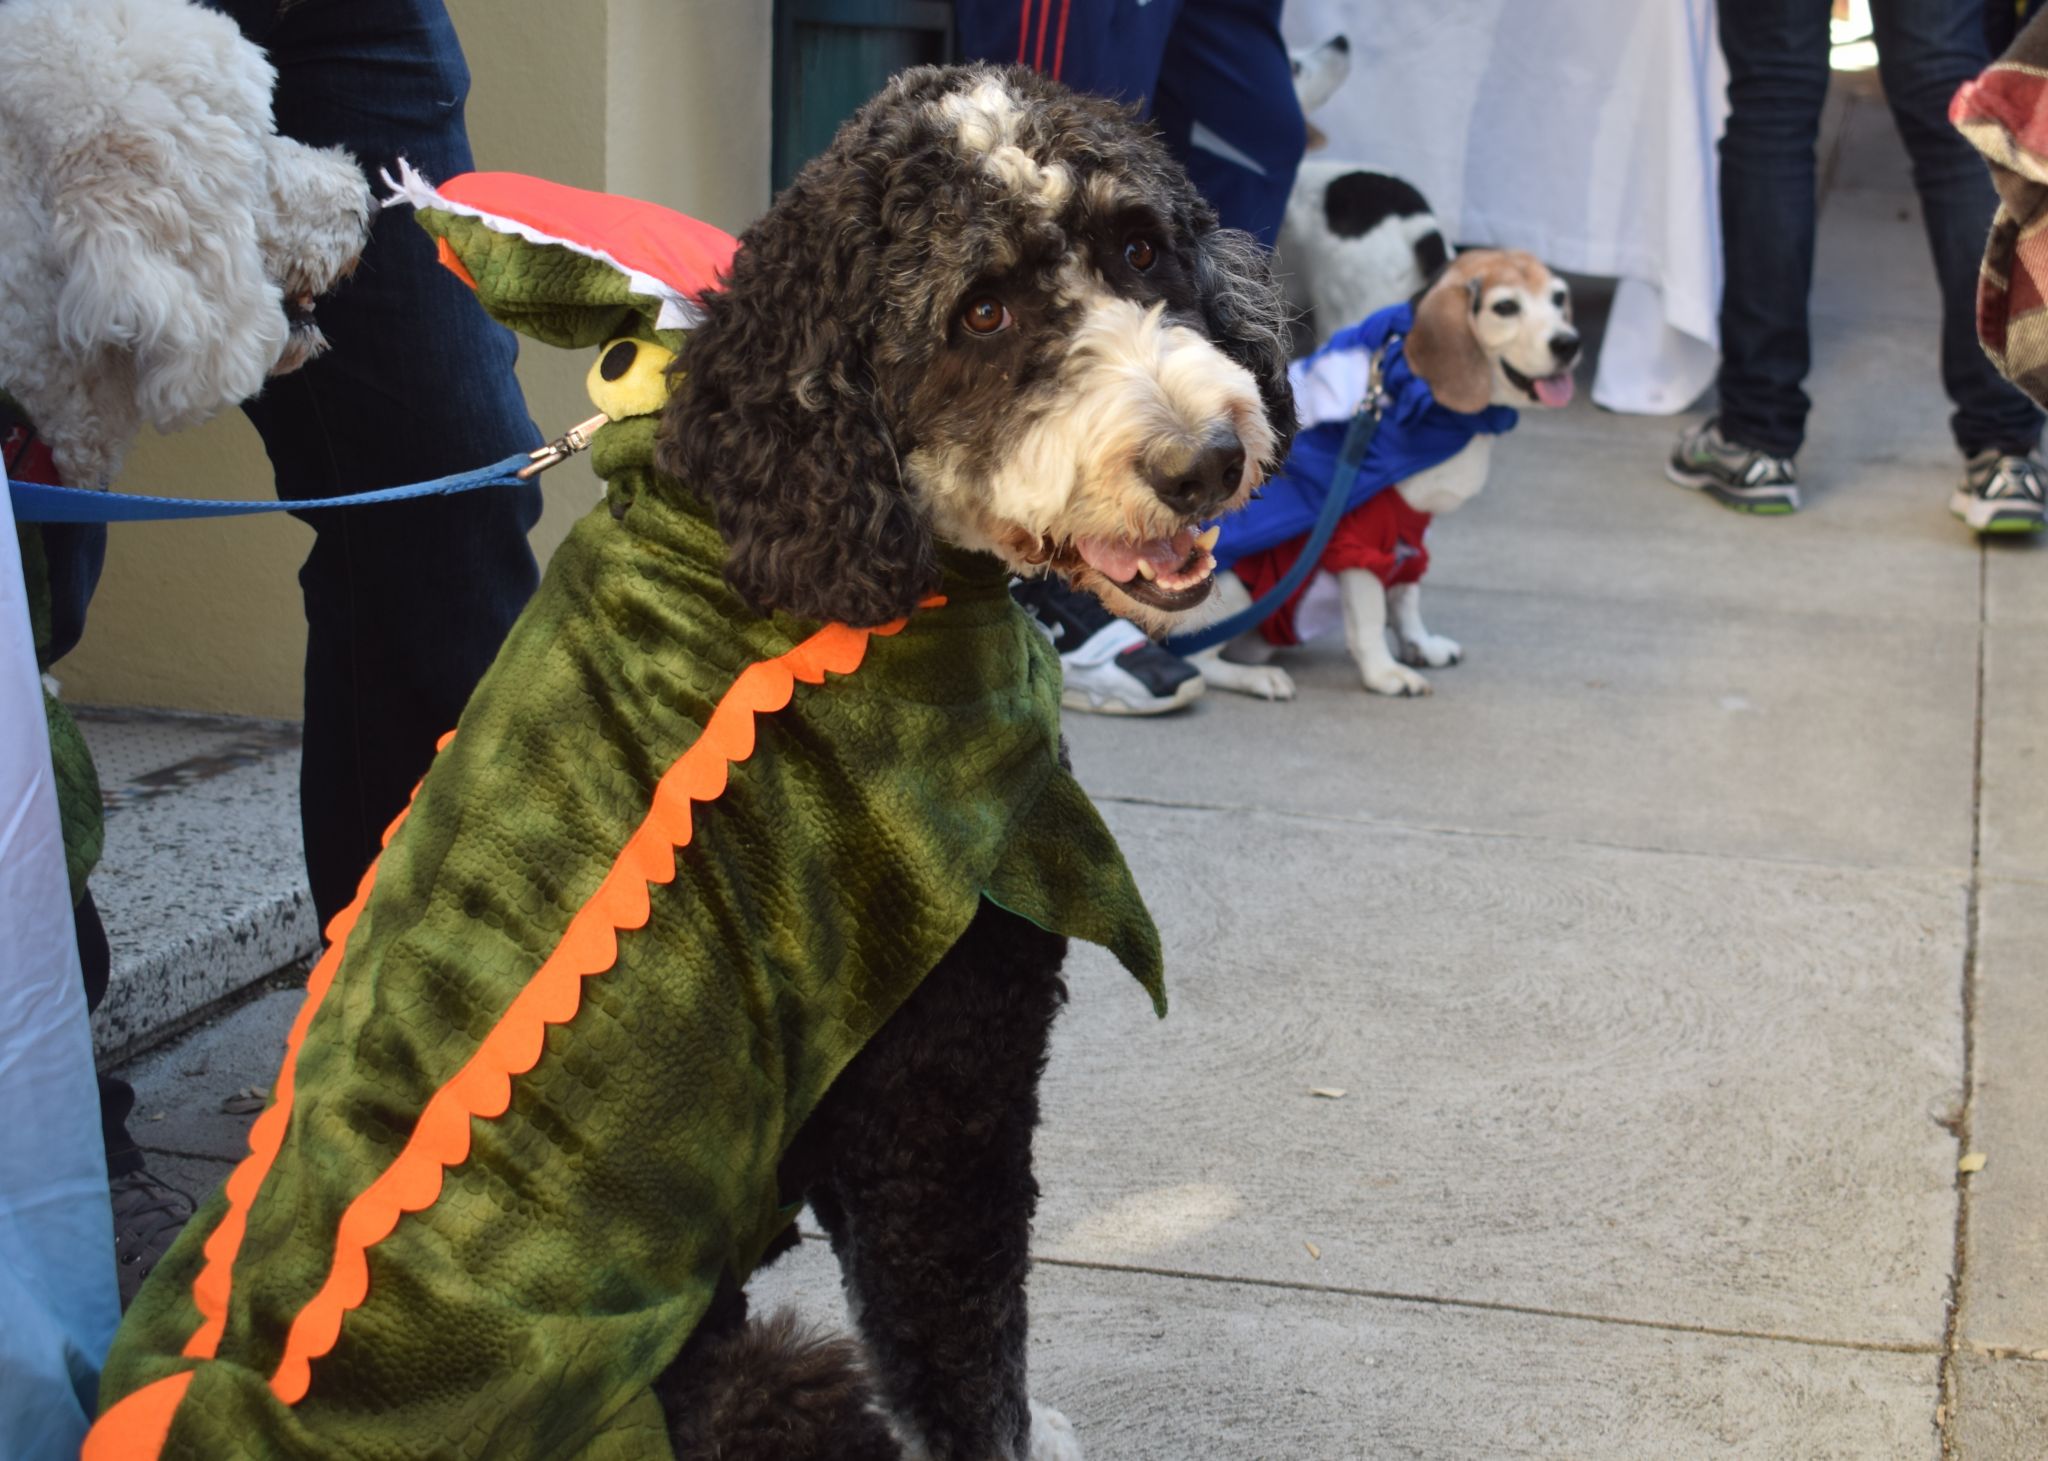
(1204,484)
(1565,346)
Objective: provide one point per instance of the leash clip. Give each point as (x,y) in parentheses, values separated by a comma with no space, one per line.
(570,442)
(1376,398)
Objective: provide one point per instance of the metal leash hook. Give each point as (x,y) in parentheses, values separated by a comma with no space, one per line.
(1376,398)
(570,442)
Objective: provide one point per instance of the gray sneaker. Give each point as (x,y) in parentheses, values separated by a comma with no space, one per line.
(1745,478)
(147,1216)
(2001,493)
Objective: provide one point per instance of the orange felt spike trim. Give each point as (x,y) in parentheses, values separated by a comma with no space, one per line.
(136,1428)
(445,252)
(482,1089)
(266,1137)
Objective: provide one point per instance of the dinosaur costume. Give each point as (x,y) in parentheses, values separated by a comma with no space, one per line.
(675,866)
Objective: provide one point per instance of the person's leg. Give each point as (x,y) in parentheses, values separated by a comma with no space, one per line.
(1226,106)
(148,1212)
(1926,49)
(117,1097)
(2001,24)
(407,603)
(1777,53)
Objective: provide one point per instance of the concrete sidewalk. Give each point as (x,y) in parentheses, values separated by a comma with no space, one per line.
(1667,960)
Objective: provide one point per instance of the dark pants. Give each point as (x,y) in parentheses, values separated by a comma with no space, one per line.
(2003,19)
(1777,54)
(407,603)
(1214,74)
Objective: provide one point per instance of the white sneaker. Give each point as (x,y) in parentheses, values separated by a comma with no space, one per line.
(1110,667)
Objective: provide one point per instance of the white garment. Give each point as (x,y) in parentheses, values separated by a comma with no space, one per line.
(58,1304)
(1583,133)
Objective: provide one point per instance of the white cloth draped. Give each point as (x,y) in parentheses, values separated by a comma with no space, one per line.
(1583,133)
(58,1306)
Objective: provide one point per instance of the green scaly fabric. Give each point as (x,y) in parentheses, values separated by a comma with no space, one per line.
(525,1313)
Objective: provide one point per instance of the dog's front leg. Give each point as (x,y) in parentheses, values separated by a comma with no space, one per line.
(927,1194)
(1247,672)
(1365,630)
(1417,645)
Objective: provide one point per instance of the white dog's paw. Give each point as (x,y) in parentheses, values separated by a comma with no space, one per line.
(1395,680)
(1267,682)
(1052,1436)
(1431,649)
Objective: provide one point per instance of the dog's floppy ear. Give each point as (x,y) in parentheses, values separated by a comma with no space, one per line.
(1246,315)
(779,420)
(1442,347)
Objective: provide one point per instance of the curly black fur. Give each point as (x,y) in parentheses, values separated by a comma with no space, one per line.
(918,1163)
(777,1390)
(1247,319)
(831,354)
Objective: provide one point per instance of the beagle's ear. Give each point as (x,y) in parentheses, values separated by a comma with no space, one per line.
(1444,350)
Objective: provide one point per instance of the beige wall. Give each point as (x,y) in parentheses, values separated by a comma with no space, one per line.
(660,99)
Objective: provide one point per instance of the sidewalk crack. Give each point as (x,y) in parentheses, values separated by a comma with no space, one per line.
(1945,1408)
(1560,839)
(1496,1306)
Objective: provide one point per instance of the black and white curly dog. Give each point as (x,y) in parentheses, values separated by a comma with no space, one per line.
(993,314)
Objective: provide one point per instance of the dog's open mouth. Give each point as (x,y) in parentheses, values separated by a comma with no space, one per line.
(1550,390)
(1171,574)
(303,339)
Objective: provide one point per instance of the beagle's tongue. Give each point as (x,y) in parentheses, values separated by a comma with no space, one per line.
(1170,561)
(1554,390)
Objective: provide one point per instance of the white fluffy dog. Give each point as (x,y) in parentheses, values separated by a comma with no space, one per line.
(160,244)
(1353,240)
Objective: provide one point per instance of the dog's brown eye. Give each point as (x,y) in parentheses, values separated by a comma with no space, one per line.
(1140,254)
(1507,306)
(985,315)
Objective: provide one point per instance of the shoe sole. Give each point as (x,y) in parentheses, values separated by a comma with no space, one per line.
(1081,700)
(1766,502)
(2003,518)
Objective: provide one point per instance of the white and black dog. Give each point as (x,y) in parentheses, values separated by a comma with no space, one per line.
(1074,366)
(995,315)
(1354,239)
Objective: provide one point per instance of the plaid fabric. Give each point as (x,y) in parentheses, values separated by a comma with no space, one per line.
(2004,114)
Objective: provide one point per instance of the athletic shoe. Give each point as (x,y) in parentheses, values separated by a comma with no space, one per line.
(1745,478)
(147,1216)
(2001,493)
(1110,667)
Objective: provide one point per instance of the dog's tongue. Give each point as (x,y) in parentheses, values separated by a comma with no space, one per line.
(1555,390)
(1117,558)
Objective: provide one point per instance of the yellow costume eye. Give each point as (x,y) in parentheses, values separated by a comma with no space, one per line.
(628,379)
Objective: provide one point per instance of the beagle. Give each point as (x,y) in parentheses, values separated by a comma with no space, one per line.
(1493,332)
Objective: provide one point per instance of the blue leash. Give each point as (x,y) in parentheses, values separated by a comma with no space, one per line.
(38,502)
(1350,457)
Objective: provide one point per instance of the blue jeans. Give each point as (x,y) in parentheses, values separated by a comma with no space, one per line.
(1777,82)
(406,603)
(1213,74)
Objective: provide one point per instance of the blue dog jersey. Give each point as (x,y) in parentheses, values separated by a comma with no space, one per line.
(1415,434)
